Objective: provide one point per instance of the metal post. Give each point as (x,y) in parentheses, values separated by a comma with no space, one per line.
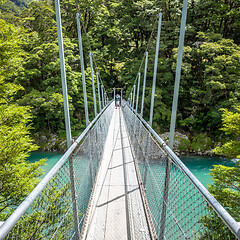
(93,85)
(121,98)
(82,68)
(105,98)
(155,69)
(67,117)
(173,117)
(140,138)
(114,93)
(178,73)
(90,157)
(74,198)
(138,88)
(131,100)
(63,74)
(135,117)
(144,83)
(134,90)
(165,199)
(99,94)
(146,160)
(102,97)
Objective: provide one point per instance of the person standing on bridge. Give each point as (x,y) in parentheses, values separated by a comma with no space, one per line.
(117,101)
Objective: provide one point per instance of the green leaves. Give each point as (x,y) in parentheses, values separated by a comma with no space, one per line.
(226,180)
(209,75)
(7,92)
(231,126)
(118,32)
(50,214)
(231,121)
(17,176)
(47,108)
(226,189)
(219,16)
(9,49)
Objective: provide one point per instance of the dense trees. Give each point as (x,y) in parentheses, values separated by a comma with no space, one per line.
(17,176)
(226,180)
(212,69)
(118,32)
(226,188)
(218,16)
(231,127)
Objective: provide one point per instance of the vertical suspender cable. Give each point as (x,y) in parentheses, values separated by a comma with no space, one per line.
(102,97)
(67,116)
(114,93)
(82,68)
(173,120)
(178,73)
(93,85)
(63,73)
(133,100)
(121,98)
(144,83)
(99,94)
(138,88)
(155,69)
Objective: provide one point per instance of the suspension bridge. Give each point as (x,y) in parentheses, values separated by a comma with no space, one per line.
(119,179)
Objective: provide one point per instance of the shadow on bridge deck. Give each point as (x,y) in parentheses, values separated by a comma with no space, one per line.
(116,210)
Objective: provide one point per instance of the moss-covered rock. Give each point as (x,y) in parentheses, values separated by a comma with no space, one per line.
(200,144)
(50,142)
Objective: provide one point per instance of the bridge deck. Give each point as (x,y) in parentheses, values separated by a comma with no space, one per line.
(116,210)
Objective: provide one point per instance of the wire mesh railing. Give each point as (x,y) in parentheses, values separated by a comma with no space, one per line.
(56,208)
(179,206)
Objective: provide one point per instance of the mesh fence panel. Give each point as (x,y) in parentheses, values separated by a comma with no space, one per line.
(51,215)
(177,208)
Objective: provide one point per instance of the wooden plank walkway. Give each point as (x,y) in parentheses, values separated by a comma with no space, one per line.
(116,210)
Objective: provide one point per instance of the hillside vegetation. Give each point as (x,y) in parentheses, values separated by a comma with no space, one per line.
(119,32)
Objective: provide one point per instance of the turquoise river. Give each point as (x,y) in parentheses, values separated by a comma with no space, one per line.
(198,165)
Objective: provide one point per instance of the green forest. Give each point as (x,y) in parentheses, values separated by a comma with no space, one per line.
(118,33)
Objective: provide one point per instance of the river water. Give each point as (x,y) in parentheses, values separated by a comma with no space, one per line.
(52,157)
(200,166)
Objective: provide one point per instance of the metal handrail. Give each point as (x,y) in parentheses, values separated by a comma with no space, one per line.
(20,211)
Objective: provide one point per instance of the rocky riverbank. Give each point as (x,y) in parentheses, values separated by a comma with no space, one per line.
(50,142)
(184,144)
